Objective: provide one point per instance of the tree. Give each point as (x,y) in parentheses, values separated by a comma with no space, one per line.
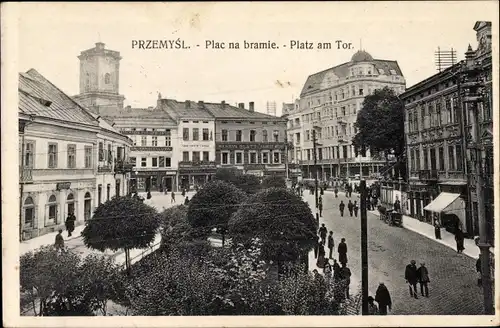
(226,174)
(175,227)
(380,124)
(212,207)
(61,284)
(248,183)
(274,181)
(121,223)
(281,220)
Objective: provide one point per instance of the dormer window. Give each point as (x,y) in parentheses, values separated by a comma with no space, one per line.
(393,72)
(381,71)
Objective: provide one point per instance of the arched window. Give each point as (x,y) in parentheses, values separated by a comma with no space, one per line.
(70,201)
(29,212)
(52,203)
(107,78)
(87,206)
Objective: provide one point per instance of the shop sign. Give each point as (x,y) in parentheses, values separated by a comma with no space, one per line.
(63,185)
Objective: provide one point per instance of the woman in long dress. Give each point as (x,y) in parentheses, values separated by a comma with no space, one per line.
(320,263)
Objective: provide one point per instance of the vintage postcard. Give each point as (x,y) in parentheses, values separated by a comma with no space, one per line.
(250,164)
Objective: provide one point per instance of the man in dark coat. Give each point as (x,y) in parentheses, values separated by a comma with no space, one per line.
(411,277)
(397,205)
(322,233)
(186,201)
(350,207)
(59,243)
(330,244)
(316,247)
(320,206)
(70,223)
(459,238)
(341,208)
(383,298)
(355,208)
(423,279)
(336,191)
(337,274)
(345,273)
(342,250)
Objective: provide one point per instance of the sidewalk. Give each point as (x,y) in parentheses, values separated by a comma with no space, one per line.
(47,239)
(427,230)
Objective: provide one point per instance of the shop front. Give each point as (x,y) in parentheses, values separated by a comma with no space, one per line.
(195,174)
(141,181)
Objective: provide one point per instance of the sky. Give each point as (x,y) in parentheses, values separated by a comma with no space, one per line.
(51,36)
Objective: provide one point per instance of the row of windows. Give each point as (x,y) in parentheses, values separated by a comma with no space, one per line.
(435,158)
(167,131)
(332,152)
(330,113)
(252,136)
(206,134)
(329,132)
(433,114)
(163,141)
(52,205)
(53,155)
(159,161)
(195,156)
(253,157)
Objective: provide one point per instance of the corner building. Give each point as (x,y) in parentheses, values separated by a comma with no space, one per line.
(329,103)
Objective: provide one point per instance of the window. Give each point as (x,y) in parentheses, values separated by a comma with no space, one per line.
(433,158)
(205,134)
(143,161)
(168,162)
(155,141)
(265,158)
(107,78)
(276,135)
(88,157)
(29,212)
(161,161)
(99,194)
(29,153)
(410,122)
(308,154)
(343,111)
(225,158)
(297,137)
(154,161)
(239,135)
(224,135)
(252,135)
(185,156)
(87,208)
(108,191)
(144,141)
(185,134)
(168,138)
(196,156)
(133,160)
(196,134)
(239,157)
(451,158)
(253,158)
(264,135)
(206,156)
(101,151)
(458,156)
(441,159)
(276,158)
(71,156)
(52,204)
(360,92)
(110,155)
(417,159)
(455,110)
(426,159)
(70,203)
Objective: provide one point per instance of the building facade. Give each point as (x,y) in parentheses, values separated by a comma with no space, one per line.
(448,132)
(329,103)
(250,141)
(58,165)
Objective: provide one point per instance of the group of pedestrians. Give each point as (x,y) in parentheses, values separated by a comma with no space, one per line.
(414,275)
(337,276)
(70,227)
(353,208)
(172,197)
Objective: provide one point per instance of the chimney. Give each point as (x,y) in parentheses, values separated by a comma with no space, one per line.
(188,104)
(200,103)
(241,105)
(250,106)
(223,104)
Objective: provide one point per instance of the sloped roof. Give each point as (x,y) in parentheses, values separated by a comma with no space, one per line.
(39,97)
(220,111)
(184,109)
(313,82)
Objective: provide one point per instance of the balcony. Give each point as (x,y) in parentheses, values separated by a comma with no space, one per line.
(428,175)
(103,168)
(342,121)
(197,164)
(341,138)
(150,148)
(122,166)
(25,175)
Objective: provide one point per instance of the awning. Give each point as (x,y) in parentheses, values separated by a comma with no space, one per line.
(441,203)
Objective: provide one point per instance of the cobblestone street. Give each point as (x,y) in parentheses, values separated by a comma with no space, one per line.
(453,289)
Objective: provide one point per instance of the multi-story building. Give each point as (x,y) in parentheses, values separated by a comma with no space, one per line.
(294,133)
(329,103)
(445,120)
(196,144)
(58,166)
(248,140)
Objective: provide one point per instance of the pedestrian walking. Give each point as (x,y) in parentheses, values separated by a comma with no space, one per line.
(320,206)
(321,191)
(345,273)
(183,192)
(383,298)
(397,205)
(437,229)
(341,208)
(372,307)
(148,196)
(59,243)
(411,277)
(350,208)
(459,238)
(342,250)
(336,270)
(172,195)
(186,201)
(328,272)
(330,244)
(423,279)
(316,247)
(355,208)
(70,223)
(322,233)
(320,263)
(336,191)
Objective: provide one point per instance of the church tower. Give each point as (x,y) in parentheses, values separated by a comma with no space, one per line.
(100,78)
